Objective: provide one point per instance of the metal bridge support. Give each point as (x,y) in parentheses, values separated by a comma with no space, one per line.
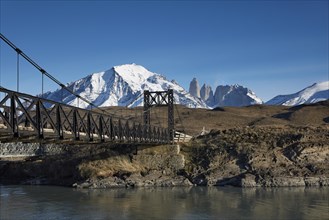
(171,120)
(159,98)
(13,116)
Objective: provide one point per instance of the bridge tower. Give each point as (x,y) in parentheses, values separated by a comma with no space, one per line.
(160,98)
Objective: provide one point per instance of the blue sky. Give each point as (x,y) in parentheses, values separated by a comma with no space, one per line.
(272,47)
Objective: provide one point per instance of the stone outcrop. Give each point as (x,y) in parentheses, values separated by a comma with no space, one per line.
(228,95)
(261,156)
(207,94)
(194,89)
(233,96)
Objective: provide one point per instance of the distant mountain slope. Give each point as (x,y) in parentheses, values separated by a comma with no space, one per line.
(229,95)
(312,94)
(122,86)
(235,95)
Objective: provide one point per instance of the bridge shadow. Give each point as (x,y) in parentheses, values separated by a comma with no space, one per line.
(63,168)
(233,180)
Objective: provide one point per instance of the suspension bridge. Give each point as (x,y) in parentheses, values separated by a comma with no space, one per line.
(28,118)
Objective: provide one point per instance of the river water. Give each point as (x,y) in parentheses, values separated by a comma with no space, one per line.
(49,202)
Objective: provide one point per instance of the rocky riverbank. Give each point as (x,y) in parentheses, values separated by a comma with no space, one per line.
(250,156)
(261,156)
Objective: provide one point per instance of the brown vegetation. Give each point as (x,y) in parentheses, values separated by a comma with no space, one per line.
(192,121)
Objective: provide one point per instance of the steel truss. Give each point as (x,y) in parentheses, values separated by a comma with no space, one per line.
(26,117)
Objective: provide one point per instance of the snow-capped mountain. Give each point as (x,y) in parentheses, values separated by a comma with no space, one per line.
(314,93)
(121,86)
(234,95)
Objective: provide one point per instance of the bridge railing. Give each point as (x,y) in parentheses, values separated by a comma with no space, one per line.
(23,116)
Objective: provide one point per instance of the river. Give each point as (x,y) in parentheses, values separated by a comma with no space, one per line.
(50,202)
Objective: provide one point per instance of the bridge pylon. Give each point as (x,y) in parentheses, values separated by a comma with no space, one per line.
(159,98)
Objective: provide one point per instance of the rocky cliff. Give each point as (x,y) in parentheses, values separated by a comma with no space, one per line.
(194,89)
(260,156)
(207,94)
(228,95)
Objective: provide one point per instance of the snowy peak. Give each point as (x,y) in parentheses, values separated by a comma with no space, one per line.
(122,86)
(133,74)
(314,93)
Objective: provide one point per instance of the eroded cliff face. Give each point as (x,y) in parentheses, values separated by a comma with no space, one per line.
(260,156)
(265,156)
(194,89)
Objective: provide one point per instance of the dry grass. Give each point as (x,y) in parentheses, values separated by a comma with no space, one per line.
(109,167)
(192,121)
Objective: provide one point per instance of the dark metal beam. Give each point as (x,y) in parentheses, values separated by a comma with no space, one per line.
(159,98)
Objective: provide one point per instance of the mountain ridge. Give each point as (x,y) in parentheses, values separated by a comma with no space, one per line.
(121,86)
(224,95)
(311,94)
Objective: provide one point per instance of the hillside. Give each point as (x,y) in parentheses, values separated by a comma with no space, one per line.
(192,121)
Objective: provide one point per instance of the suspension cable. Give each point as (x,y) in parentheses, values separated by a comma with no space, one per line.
(179,117)
(45,72)
(17,68)
(42,81)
